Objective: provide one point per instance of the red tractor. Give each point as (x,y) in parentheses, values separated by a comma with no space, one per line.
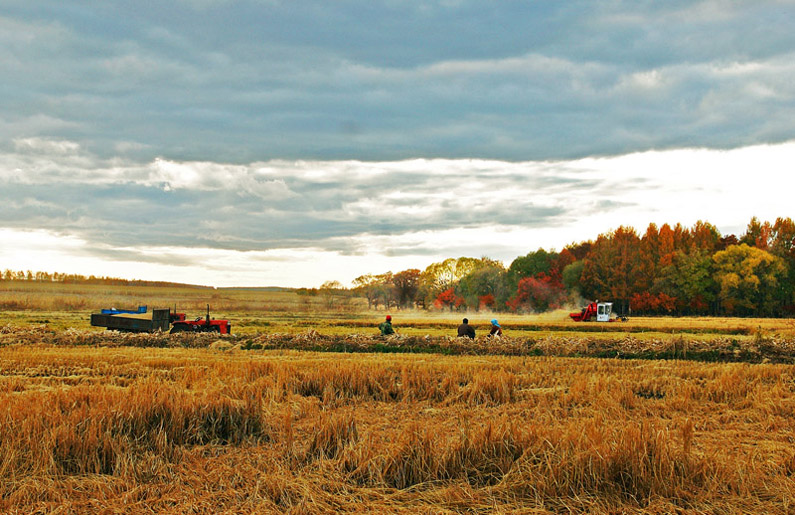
(599,311)
(199,325)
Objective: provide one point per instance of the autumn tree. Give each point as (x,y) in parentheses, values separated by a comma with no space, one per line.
(485,286)
(727,241)
(530,265)
(610,270)
(377,289)
(670,269)
(332,291)
(448,299)
(439,277)
(783,239)
(368,286)
(387,293)
(758,234)
(538,294)
(579,250)
(688,281)
(705,237)
(406,284)
(749,280)
(546,289)
(649,257)
(564,258)
(783,246)
(447,273)
(666,245)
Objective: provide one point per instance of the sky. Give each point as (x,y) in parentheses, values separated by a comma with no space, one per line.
(288,143)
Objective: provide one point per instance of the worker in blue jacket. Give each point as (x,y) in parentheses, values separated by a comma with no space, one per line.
(496,330)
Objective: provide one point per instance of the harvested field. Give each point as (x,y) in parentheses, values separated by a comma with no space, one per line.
(113,424)
(308,411)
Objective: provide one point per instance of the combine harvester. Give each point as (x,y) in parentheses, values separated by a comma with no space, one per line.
(599,311)
(140,321)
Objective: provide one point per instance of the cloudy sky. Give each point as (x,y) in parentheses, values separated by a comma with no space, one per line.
(269,142)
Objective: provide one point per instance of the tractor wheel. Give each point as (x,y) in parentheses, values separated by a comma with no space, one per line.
(178,328)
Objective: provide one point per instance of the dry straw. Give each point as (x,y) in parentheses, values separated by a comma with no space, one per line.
(107,425)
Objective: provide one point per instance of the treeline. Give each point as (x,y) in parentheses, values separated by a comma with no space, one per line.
(666,270)
(55,277)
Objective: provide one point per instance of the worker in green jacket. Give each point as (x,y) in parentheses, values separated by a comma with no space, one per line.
(386,326)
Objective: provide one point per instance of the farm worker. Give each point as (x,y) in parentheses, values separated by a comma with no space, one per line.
(386,326)
(496,330)
(466,330)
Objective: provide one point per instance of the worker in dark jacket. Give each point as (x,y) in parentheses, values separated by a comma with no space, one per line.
(466,330)
(496,330)
(386,326)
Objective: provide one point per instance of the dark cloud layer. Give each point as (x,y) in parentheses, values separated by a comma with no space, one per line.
(180,132)
(255,80)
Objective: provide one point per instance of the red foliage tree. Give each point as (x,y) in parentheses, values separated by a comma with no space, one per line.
(539,293)
(653,304)
(448,298)
(486,301)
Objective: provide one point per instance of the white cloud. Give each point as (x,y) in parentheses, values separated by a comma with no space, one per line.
(357,217)
(41,145)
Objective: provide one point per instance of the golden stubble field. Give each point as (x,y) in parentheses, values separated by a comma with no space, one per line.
(552,418)
(115,429)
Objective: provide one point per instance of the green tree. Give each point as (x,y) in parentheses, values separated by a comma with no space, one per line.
(534,263)
(571,276)
(783,246)
(689,281)
(489,279)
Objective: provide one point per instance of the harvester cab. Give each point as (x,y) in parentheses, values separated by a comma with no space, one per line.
(598,311)
(603,310)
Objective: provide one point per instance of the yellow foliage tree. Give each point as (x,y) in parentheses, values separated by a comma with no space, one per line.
(750,280)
